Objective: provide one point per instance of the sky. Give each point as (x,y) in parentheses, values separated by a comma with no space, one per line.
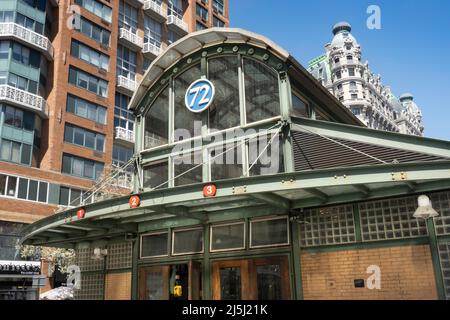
(410,51)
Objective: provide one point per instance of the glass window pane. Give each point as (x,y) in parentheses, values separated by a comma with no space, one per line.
(230,283)
(269,282)
(23,188)
(299,108)
(11,189)
(26,154)
(15,152)
(2,184)
(5,150)
(226,165)
(269,232)
(183,164)
(78,136)
(188,241)
(155,175)
(224,111)
(43,188)
(268,162)
(228,237)
(88,169)
(75,197)
(154,245)
(78,167)
(32,191)
(68,134)
(185,119)
(157,121)
(90,140)
(67,164)
(64,196)
(261,91)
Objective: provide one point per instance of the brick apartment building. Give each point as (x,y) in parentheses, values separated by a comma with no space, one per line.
(68,69)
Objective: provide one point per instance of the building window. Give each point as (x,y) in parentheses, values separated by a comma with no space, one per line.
(93,31)
(89,82)
(126,62)
(271,161)
(152,31)
(175,8)
(86,109)
(156,175)
(97,8)
(218,23)
(349,58)
(172,37)
(218,6)
(269,232)
(189,161)
(157,121)
(230,236)
(351,72)
(202,13)
(226,161)
(299,107)
(22,83)
(128,16)
(81,167)
(89,55)
(200,26)
(23,188)
(353,85)
(29,23)
(84,138)
(72,197)
(123,117)
(18,118)
(262,99)
(336,60)
(338,75)
(354,96)
(4,50)
(17,152)
(187,241)
(6,16)
(356,111)
(25,55)
(121,155)
(185,119)
(224,111)
(155,245)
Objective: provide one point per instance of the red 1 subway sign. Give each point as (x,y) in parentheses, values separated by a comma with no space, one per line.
(80,213)
(209,190)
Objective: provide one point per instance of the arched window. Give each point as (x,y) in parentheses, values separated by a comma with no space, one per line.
(262,99)
(185,119)
(224,112)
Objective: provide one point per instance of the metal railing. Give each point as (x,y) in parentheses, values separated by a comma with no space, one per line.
(124,134)
(151,48)
(131,37)
(23,98)
(126,83)
(174,20)
(35,39)
(154,6)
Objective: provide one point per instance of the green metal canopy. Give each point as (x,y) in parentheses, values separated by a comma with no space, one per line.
(344,164)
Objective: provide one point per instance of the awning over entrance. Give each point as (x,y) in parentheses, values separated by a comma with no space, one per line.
(357,164)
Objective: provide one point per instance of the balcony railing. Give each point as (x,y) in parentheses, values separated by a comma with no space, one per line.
(23,98)
(154,9)
(124,134)
(27,36)
(131,38)
(181,26)
(126,84)
(151,49)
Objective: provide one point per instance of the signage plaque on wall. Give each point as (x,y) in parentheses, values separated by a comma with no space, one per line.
(209,190)
(199,95)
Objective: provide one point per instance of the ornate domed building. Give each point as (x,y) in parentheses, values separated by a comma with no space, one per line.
(343,73)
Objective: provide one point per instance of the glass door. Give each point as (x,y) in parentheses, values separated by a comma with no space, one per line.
(251,279)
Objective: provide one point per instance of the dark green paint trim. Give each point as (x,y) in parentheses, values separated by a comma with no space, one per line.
(296,262)
(357,222)
(436,259)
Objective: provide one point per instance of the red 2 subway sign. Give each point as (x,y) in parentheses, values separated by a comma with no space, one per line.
(209,190)
(135,201)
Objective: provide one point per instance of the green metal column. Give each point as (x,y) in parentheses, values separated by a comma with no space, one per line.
(298,288)
(206,266)
(138,134)
(134,271)
(436,260)
(285,107)
(357,221)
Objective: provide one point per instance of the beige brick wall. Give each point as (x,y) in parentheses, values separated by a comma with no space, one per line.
(118,286)
(406,273)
